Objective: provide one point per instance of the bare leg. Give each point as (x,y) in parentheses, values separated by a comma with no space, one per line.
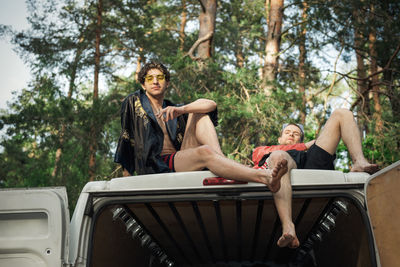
(341,124)
(200,131)
(200,149)
(283,201)
(194,159)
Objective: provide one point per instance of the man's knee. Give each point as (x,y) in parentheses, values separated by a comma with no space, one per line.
(342,113)
(196,117)
(279,155)
(204,152)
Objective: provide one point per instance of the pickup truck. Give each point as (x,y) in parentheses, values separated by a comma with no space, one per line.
(198,219)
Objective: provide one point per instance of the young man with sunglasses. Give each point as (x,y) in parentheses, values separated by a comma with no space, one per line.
(315,154)
(158,136)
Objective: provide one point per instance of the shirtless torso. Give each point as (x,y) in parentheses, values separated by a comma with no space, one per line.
(168,147)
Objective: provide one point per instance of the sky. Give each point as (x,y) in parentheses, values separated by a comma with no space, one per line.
(14,74)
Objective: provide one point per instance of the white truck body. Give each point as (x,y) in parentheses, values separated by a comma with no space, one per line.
(175,220)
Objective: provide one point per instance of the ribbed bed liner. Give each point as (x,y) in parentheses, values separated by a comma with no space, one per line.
(235,232)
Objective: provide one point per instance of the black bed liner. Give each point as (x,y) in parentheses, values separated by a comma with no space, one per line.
(234,227)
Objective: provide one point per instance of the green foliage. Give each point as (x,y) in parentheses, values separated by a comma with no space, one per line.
(33,126)
(385,148)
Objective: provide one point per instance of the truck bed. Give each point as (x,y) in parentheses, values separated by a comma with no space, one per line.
(230,225)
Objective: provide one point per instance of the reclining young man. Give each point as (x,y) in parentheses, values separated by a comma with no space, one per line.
(315,154)
(158,136)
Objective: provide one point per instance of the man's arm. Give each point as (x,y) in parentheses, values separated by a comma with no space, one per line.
(201,105)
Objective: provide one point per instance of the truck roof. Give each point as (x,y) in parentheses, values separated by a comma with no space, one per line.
(196,180)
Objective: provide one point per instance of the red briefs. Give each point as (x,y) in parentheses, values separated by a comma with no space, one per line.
(169,160)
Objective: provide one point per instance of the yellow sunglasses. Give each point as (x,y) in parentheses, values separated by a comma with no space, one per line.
(150,78)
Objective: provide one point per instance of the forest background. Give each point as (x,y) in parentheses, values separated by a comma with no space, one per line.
(263,61)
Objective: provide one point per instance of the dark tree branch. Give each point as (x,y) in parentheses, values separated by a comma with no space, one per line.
(392,57)
(197,43)
(203,4)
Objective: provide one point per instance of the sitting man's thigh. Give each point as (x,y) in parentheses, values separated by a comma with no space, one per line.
(188,160)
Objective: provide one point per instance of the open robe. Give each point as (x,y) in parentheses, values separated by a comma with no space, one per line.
(141,140)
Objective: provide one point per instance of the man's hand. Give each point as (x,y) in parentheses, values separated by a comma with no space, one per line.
(170,113)
(310,143)
(125,173)
(201,105)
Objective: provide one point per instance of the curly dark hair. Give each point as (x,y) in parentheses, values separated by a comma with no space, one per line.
(153,65)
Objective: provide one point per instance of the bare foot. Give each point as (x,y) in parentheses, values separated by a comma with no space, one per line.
(276,174)
(365,167)
(288,238)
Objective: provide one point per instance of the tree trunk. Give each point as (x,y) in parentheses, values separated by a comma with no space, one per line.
(393,93)
(183,25)
(375,79)
(362,86)
(274,9)
(207,27)
(93,128)
(302,63)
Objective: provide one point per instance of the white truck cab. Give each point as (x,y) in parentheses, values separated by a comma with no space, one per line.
(197,219)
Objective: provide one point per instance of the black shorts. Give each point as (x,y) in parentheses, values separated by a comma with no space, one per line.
(169,159)
(314,158)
